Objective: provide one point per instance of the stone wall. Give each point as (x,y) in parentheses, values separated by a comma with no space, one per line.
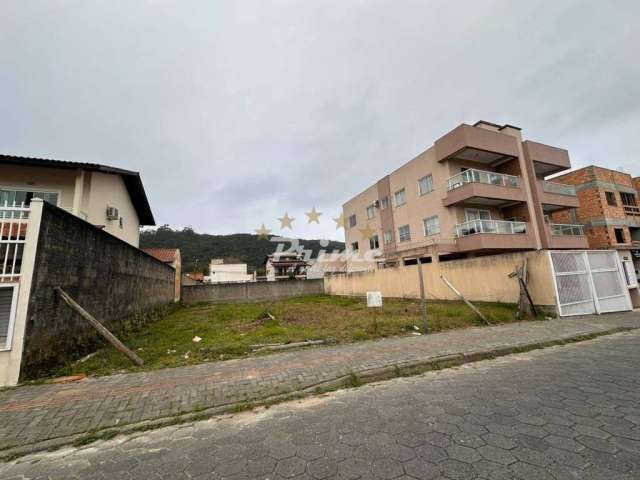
(118,284)
(250,292)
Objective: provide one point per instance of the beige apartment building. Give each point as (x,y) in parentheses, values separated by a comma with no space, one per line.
(480,189)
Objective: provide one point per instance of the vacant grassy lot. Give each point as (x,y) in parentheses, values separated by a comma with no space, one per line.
(228,331)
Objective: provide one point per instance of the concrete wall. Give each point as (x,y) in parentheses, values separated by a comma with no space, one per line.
(250,292)
(117,283)
(479,279)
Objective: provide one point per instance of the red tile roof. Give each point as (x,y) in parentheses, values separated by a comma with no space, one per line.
(166,255)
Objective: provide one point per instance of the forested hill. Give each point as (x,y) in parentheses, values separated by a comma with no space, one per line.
(236,248)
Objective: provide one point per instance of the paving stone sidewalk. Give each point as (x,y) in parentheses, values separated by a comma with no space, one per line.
(31,415)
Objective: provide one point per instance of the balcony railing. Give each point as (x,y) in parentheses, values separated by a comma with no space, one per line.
(481,176)
(500,227)
(559,188)
(565,229)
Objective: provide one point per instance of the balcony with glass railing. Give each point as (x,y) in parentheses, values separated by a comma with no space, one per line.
(482,176)
(566,229)
(476,185)
(566,236)
(499,227)
(557,196)
(559,188)
(494,235)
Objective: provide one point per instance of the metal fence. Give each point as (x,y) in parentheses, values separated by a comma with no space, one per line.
(13,228)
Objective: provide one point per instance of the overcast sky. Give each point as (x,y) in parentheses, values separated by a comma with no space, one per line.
(235,111)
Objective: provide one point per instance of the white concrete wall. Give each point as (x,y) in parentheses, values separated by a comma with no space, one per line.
(10,359)
(109,190)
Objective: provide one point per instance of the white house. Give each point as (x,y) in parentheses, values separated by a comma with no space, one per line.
(110,198)
(220,272)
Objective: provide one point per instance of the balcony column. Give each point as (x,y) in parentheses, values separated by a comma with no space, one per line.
(534,206)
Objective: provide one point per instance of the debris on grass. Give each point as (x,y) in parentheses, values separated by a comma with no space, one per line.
(186,355)
(196,339)
(87,357)
(170,351)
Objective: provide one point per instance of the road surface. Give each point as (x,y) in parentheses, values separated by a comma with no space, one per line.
(570,412)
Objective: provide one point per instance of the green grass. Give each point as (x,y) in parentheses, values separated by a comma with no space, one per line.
(227,331)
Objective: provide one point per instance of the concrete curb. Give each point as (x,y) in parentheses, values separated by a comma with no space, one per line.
(353,379)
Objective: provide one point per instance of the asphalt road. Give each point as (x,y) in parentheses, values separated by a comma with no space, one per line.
(569,412)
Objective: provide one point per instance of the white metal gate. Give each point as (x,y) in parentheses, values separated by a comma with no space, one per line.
(589,281)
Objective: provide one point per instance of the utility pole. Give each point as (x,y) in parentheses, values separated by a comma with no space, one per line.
(423,300)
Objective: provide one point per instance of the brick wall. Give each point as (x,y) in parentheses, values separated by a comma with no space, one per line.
(120,285)
(594,206)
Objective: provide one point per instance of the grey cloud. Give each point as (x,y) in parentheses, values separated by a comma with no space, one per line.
(237,111)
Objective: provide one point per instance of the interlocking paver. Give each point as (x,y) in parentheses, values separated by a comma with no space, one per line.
(274,443)
(39,412)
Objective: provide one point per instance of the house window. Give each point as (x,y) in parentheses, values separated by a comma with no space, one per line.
(352,221)
(354,246)
(374,242)
(8,300)
(619,232)
(388,237)
(10,196)
(384,203)
(121,222)
(404,233)
(628,199)
(425,185)
(611,199)
(371,212)
(431,225)
(400,197)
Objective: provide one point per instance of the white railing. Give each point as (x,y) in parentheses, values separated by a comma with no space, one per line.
(560,188)
(566,229)
(13,229)
(481,176)
(500,227)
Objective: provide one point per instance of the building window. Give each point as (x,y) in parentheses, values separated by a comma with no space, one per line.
(121,222)
(425,185)
(374,242)
(384,203)
(388,237)
(354,246)
(431,225)
(619,232)
(477,214)
(404,233)
(628,199)
(18,197)
(352,221)
(611,199)
(400,197)
(371,212)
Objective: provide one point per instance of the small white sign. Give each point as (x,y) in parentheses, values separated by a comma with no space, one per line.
(374,299)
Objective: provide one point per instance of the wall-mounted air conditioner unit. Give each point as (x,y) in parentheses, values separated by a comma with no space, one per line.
(112,213)
(376,203)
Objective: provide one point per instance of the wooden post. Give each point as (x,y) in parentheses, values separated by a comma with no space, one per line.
(469,304)
(423,300)
(110,337)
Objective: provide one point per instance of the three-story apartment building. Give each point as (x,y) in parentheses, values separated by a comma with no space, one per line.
(480,189)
